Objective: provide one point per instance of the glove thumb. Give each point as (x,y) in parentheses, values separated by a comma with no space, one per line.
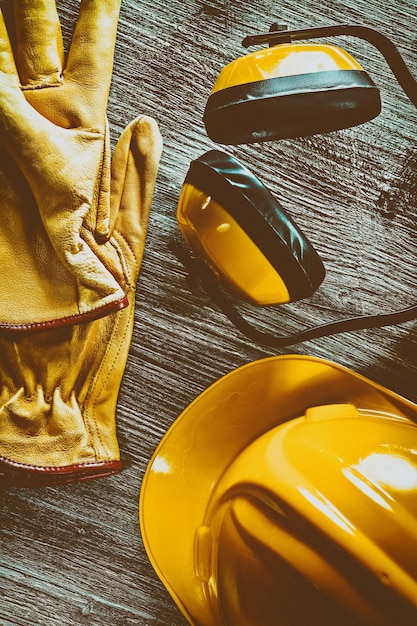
(134,170)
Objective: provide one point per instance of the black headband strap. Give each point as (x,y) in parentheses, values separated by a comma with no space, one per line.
(200,273)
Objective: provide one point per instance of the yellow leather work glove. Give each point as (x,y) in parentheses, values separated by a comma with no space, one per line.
(71,242)
(56,216)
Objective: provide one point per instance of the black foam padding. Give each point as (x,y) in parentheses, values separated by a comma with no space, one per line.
(291,106)
(260,215)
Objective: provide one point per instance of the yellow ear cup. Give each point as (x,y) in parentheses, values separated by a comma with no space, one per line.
(289,90)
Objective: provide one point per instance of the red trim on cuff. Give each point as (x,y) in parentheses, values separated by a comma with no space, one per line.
(21,475)
(89,316)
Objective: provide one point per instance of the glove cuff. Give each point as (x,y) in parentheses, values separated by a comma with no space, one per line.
(21,475)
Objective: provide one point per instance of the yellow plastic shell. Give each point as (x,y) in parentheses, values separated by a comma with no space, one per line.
(349,473)
(284,60)
(213,233)
(252,431)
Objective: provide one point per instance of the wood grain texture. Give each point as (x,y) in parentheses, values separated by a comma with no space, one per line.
(73,555)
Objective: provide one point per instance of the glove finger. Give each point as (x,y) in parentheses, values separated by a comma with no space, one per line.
(134,170)
(40,51)
(7,64)
(90,59)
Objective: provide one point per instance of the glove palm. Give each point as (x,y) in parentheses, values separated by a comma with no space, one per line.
(55,182)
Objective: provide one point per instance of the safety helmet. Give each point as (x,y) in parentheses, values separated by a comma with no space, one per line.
(286,494)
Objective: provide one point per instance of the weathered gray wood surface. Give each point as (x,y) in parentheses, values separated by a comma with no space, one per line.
(73,555)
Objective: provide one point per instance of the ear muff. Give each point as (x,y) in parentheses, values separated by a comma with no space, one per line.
(264,255)
(232,221)
(289,90)
(241,235)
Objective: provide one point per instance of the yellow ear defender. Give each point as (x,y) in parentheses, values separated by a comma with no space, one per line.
(229,219)
(298,89)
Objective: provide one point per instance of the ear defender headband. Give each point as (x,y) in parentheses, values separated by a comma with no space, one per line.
(240,235)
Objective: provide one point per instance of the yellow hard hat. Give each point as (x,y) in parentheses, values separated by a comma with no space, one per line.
(286,493)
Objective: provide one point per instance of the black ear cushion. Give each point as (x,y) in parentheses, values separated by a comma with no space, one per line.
(259,214)
(291,106)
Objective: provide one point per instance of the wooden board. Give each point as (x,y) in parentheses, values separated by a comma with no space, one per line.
(73,555)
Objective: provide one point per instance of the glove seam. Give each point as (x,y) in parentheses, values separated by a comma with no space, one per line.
(41,85)
(76,318)
(93,386)
(117,247)
(54,468)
